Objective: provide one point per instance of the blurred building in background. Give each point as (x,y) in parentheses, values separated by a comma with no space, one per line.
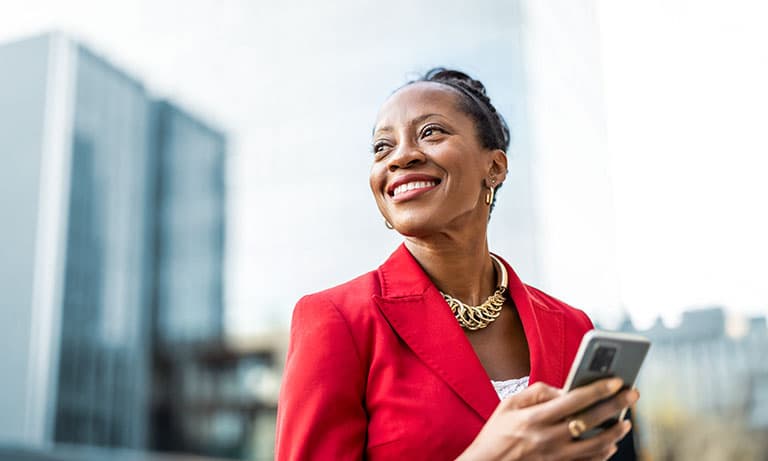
(188,215)
(99,390)
(218,398)
(113,211)
(76,267)
(705,392)
(210,396)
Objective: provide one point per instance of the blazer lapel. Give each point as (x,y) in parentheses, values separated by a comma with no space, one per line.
(544,331)
(419,315)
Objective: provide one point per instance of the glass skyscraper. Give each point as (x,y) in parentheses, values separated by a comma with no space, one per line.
(101,386)
(113,212)
(188,157)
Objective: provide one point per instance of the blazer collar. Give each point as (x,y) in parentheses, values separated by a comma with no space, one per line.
(418,313)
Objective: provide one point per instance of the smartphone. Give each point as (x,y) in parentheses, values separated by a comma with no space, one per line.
(605,354)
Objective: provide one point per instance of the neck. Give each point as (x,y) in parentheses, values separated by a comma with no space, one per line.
(462,269)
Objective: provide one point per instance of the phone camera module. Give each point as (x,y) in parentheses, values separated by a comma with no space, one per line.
(603,359)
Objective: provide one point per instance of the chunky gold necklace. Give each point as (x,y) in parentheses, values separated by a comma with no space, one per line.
(477,317)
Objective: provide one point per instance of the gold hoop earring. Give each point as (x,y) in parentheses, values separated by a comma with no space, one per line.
(489,196)
(388,225)
(491,191)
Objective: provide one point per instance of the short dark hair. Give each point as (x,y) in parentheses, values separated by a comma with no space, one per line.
(492,129)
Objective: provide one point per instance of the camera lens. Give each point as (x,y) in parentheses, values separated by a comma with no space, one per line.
(603,359)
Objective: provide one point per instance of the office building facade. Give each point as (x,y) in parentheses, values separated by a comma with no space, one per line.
(85,270)
(189,217)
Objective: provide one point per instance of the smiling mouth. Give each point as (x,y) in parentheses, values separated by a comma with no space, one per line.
(413,185)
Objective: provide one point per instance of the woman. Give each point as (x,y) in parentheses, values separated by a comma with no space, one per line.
(431,355)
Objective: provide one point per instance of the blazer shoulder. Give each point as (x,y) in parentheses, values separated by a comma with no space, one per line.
(549,302)
(347,296)
(345,309)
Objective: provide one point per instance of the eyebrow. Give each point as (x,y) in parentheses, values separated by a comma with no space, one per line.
(415,121)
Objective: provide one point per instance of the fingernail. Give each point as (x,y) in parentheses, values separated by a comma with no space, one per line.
(632,397)
(627,425)
(615,384)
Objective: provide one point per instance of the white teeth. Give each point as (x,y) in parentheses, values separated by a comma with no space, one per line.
(413,185)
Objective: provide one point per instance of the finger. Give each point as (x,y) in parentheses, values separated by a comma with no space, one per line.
(597,445)
(604,411)
(610,408)
(577,399)
(552,437)
(610,451)
(603,455)
(533,395)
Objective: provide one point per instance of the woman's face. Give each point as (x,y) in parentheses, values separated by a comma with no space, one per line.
(430,173)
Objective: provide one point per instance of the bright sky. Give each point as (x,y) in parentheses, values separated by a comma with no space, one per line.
(687,111)
(685,100)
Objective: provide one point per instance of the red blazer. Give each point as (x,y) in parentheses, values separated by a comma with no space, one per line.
(378,368)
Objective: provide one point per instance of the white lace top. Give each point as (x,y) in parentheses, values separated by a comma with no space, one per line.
(510,387)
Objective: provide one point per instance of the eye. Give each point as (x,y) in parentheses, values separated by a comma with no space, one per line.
(379,147)
(431,130)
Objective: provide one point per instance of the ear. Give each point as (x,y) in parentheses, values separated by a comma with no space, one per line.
(498,167)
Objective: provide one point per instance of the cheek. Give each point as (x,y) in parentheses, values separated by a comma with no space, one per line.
(376,181)
(376,178)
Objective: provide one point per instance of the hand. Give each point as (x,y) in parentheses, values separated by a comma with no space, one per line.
(533,425)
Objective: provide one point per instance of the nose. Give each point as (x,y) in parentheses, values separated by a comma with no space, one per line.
(405,156)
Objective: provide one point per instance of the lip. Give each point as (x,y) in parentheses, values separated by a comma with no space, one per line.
(411,193)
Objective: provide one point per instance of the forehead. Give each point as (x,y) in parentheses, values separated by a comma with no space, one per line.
(417,99)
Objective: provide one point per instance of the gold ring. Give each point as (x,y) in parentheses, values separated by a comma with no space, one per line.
(576,427)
